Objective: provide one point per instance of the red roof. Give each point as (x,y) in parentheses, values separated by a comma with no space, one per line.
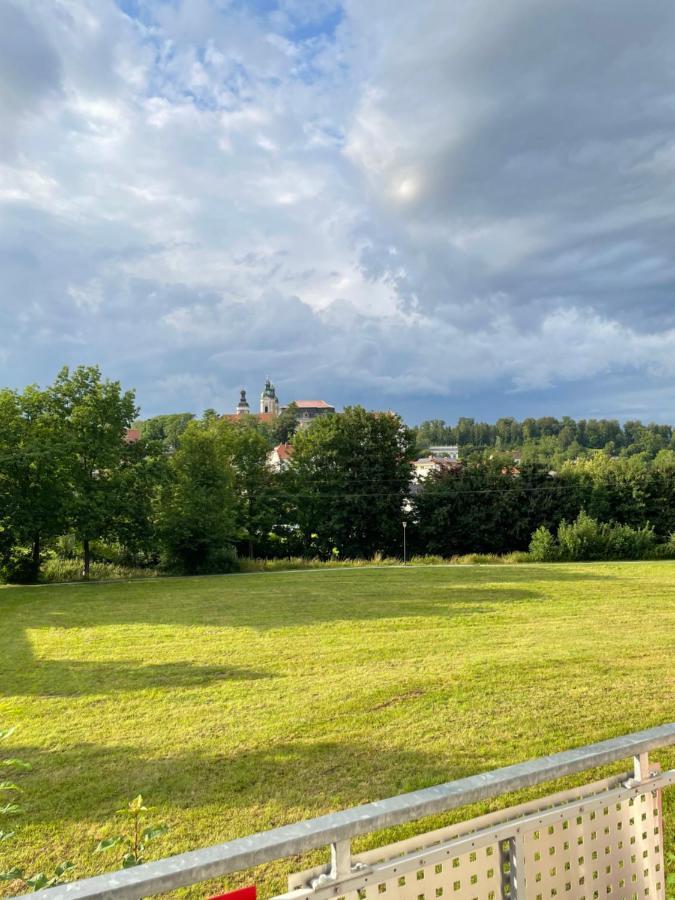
(312,404)
(284,451)
(132,435)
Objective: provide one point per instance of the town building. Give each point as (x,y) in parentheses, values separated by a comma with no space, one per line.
(308,410)
(279,458)
(447,451)
(269,408)
(428,465)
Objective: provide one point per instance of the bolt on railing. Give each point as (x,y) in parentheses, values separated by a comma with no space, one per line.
(336,830)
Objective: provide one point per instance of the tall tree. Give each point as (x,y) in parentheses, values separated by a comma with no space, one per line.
(33,465)
(197,505)
(254,482)
(351,474)
(95,415)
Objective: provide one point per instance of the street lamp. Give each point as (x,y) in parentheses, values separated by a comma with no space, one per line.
(405,525)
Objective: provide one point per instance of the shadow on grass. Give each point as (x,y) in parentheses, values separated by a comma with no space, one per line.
(90,782)
(255,602)
(72,678)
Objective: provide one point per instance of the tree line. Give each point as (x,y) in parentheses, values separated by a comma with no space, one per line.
(548,438)
(194,495)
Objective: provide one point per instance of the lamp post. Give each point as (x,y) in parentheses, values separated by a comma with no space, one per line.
(405,525)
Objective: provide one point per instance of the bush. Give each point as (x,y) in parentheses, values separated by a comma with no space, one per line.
(587,539)
(215,561)
(543,547)
(19,567)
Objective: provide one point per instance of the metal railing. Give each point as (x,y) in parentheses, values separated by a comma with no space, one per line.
(347,875)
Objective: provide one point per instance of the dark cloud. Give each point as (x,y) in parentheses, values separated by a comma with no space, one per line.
(30,70)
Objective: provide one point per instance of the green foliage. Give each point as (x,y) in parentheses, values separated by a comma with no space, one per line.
(197,506)
(254,485)
(548,439)
(348,480)
(132,842)
(95,415)
(57,571)
(543,547)
(487,507)
(165,429)
(19,566)
(588,539)
(285,425)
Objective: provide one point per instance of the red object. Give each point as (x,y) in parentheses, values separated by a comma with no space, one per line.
(247,893)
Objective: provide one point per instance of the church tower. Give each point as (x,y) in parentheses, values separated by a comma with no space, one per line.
(269,402)
(242,406)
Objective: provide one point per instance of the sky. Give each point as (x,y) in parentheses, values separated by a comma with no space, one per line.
(441,208)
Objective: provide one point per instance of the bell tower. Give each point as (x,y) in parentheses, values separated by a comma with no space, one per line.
(242,406)
(269,402)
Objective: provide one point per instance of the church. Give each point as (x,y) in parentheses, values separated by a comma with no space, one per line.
(270,408)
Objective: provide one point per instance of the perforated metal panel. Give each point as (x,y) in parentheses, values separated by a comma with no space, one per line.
(612,851)
(602,840)
(468,876)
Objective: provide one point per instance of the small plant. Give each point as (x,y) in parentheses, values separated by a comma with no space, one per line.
(670,879)
(10,808)
(134,840)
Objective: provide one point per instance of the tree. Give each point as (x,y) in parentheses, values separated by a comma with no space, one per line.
(254,482)
(33,462)
(165,429)
(351,474)
(286,424)
(197,505)
(488,507)
(95,415)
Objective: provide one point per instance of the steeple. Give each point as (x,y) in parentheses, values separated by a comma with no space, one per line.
(242,406)
(269,402)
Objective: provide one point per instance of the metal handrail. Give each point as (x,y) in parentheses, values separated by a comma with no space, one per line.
(289,840)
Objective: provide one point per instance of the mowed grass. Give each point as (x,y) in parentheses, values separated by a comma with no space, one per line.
(238,703)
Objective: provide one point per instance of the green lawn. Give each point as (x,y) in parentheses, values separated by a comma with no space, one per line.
(238,703)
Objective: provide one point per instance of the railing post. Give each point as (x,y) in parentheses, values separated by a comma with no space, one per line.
(641,767)
(340,859)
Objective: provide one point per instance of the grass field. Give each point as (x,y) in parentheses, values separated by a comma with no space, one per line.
(238,703)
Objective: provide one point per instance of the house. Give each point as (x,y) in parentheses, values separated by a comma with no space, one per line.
(428,465)
(447,451)
(308,410)
(279,458)
(132,436)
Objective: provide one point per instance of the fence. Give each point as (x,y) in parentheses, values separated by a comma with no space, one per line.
(602,839)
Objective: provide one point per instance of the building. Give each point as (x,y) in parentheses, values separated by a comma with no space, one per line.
(428,465)
(449,451)
(279,458)
(269,402)
(308,410)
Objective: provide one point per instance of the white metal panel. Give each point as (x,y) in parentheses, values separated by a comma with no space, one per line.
(602,840)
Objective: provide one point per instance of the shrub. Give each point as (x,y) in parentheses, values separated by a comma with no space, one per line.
(586,539)
(543,547)
(19,567)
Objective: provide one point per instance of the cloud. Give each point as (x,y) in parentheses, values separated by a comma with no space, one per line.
(404,205)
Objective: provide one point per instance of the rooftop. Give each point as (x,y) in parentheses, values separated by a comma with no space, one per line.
(312,404)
